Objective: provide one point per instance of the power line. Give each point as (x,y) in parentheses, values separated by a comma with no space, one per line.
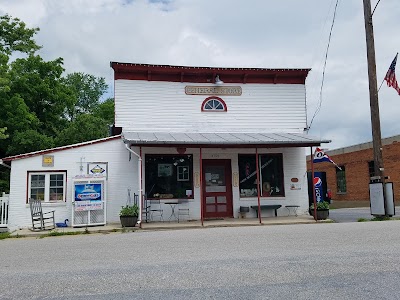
(323,71)
(375,8)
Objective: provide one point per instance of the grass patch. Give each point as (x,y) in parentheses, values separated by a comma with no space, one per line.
(7,235)
(362,220)
(60,233)
(4,235)
(381,218)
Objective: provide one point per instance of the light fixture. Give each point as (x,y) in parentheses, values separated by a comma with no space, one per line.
(218,81)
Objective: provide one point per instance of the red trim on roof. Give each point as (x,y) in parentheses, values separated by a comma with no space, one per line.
(46,151)
(148,72)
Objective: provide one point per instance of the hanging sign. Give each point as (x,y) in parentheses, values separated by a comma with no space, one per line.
(97,168)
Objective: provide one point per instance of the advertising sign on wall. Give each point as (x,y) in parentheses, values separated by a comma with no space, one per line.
(88,196)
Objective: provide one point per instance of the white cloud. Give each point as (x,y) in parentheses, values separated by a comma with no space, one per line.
(89,34)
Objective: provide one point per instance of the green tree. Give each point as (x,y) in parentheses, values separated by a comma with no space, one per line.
(3,134)
(105,110)
(15,36)
(29,141)
(40,85)
(84,128)
(87,90)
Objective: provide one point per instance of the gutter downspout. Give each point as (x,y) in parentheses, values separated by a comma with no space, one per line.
(4,164)
(139,181)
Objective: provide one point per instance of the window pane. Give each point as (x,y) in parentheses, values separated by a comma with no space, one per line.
(341,180)
(37,187)
(271,175)
(37,193)
(247,175)
(37,181)
(168,176)
(215,178)
(271,179)
(371,168)
(56,187)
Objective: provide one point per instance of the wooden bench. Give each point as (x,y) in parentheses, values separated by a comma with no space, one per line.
(274,207)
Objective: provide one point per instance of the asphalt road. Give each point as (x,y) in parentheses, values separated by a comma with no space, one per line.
(353,214)
(311,261)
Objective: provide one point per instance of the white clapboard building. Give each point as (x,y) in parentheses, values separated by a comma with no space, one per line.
(212,140)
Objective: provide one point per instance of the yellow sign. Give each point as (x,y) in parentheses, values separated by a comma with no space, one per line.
(48,160)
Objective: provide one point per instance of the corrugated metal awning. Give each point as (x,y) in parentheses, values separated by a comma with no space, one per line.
(221,139)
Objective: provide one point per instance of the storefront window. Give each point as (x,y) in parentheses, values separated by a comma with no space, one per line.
(271,175)
(169,176)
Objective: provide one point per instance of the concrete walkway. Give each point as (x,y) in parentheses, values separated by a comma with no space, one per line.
(116,227)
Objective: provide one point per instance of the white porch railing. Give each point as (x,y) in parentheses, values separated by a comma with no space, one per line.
(4,210)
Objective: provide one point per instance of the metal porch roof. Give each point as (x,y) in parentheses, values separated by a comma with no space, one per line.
(224,139)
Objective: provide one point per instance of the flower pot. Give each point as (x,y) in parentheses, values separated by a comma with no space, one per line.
(128,221)
(322,214)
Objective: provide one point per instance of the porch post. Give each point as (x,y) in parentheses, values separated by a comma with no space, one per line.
(140,171)
(258,186)
(313,185)
(201,188)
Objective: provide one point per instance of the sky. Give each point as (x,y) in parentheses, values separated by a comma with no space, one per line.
(88,34)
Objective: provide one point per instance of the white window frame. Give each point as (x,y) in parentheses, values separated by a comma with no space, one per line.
(181,174)
(47,185)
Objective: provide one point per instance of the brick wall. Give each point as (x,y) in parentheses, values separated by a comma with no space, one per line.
(357,173)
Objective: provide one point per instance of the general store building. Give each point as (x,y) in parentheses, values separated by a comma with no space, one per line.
(220,138)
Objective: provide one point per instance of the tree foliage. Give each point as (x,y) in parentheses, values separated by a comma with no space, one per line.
(87,90)
(85,127)
(42,107)
(3,134)
(15,36)
(105,110)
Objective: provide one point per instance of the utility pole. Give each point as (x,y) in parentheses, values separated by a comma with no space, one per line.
(373,98)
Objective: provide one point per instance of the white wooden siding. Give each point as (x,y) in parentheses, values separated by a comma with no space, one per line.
(122,174)
(161,106)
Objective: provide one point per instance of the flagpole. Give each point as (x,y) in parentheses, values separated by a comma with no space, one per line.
(313,185)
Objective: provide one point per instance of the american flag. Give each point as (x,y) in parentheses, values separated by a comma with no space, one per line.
(391,76)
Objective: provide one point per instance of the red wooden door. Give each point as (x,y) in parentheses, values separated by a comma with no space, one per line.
(217,188)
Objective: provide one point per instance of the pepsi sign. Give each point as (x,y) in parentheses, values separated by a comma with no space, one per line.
(318,189)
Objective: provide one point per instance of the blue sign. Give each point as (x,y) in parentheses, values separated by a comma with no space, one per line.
(319,188)
(88,196)
(90,191)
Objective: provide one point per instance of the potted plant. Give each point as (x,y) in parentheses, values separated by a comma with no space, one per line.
(322,210)
(128,215)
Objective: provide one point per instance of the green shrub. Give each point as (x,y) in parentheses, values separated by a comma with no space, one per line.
(320,205)
(129,210)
